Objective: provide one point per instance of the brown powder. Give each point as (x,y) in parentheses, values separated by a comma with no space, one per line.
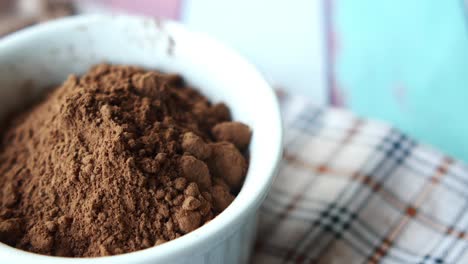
(117,160)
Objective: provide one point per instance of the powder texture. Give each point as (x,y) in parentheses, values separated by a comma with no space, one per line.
(118,160)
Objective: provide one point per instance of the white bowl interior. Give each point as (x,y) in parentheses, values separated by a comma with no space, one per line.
(44,55)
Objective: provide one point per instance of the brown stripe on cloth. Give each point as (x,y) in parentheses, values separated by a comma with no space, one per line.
(410,212)
(448,230)
(366,180)
(351,132)
(388,196)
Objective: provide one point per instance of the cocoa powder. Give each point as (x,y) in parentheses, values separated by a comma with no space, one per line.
(118,160)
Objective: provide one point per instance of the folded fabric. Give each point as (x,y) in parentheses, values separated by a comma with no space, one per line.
(351,190)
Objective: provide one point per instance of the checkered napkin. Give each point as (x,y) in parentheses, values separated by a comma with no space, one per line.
(350,190)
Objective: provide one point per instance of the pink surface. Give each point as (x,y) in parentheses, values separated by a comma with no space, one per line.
(162,8)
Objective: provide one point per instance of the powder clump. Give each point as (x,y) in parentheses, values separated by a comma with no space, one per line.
(117,160)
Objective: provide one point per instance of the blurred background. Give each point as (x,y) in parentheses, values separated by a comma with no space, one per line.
(405,62)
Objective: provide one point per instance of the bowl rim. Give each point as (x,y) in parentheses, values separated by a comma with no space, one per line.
(237,211)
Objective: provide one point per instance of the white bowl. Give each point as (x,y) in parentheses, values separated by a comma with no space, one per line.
(44,55)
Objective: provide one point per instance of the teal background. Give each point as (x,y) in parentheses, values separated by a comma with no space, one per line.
(406,61)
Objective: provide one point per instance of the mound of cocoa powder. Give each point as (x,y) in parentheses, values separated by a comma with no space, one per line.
(118,160)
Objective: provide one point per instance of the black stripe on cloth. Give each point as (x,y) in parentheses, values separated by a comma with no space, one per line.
(461,252)
(392,156)
(346,139)
(334,225)
(295,144)
(445,239)
(380,252)
(461,178)
(307,213)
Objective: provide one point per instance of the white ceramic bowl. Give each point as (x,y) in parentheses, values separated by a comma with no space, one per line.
(44,55)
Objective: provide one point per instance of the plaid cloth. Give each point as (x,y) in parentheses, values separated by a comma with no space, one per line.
(352,190)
